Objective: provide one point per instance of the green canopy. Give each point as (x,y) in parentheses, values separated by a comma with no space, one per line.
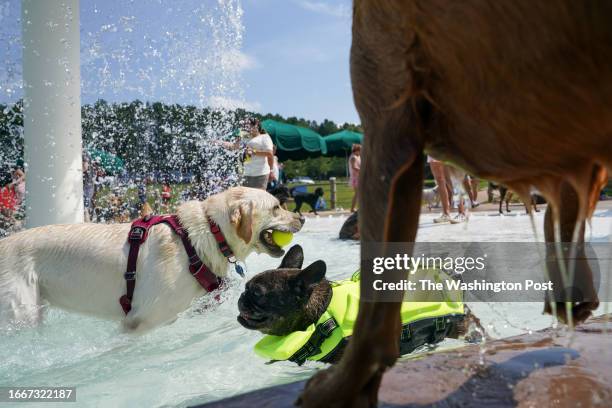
(339,143)
(294,142)
(108,161)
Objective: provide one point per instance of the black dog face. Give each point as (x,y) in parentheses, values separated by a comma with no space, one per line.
(319,192)
(281,193)
(287,299)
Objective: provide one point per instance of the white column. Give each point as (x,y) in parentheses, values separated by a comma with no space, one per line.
(52,112)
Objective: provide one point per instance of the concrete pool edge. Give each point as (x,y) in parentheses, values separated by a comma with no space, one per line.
(528,370)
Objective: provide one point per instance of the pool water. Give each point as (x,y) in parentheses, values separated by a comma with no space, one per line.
(206,355)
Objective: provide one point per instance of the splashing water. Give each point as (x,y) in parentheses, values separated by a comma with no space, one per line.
(193,57)
(10,51)
(193,54)
(180,62)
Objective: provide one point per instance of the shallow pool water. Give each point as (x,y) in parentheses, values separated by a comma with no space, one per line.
(206,355)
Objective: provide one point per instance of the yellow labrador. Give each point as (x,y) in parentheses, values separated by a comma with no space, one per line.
(80,267)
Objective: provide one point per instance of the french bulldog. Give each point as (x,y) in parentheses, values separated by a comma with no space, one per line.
(281,301)
(288,299)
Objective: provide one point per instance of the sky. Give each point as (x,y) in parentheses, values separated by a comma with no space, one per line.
(300,51)
(289,57)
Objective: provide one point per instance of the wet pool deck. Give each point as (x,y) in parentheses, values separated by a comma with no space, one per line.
(547,368)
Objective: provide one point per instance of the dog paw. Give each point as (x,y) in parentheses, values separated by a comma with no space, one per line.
(334,388)
(316,393)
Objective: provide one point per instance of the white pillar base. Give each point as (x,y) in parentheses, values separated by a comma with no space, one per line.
(52,112)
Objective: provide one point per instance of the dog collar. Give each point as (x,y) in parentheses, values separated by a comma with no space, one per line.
(224,246)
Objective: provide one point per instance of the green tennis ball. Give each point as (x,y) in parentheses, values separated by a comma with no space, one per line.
(281,238)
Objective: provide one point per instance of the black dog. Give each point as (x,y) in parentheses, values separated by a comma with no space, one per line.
(282,193)
(309,198)
(289,299)
(505,194)
(286,299)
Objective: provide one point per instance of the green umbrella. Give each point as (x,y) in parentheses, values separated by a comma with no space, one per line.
(294,142)
(340,143)
(108,161)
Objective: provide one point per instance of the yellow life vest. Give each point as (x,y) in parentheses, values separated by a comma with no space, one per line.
(422,323)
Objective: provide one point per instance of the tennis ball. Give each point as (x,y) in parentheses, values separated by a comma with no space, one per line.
(281,238)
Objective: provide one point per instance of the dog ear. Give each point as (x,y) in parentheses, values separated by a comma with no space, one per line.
(242,219)
(313,274)
(293,259)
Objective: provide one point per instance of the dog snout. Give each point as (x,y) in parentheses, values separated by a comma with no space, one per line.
(246,304)
(301,218)
(241,303)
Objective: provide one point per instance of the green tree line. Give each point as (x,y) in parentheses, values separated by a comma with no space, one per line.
(163,138)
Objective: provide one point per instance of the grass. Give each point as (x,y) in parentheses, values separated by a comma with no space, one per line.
(344,195)
(103,197)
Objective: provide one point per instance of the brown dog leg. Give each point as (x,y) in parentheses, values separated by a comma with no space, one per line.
(396,115)
(374,346)
(583,276)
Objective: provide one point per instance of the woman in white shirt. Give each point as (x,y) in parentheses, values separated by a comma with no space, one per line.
(259,158)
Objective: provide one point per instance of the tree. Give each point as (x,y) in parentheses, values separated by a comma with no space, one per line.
(166,139)
(11,140)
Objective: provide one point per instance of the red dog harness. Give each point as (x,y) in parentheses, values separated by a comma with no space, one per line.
(202,273)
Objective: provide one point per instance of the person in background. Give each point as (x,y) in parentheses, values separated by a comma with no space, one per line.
(445,190)
(88,188)
(470,184)
(166,195)
(185,195)
(354,169)
(142,191)
(282,176)
(259,157)
(98,182)
(19,185)
(275,179)
(7,206)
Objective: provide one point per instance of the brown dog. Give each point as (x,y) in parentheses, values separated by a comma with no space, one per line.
(515,92)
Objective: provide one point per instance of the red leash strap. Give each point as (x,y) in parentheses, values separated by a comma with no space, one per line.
(138,235)
(198,269)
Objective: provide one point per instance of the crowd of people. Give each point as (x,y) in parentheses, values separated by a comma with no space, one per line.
(106,199)
(260,169)
(107,196)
